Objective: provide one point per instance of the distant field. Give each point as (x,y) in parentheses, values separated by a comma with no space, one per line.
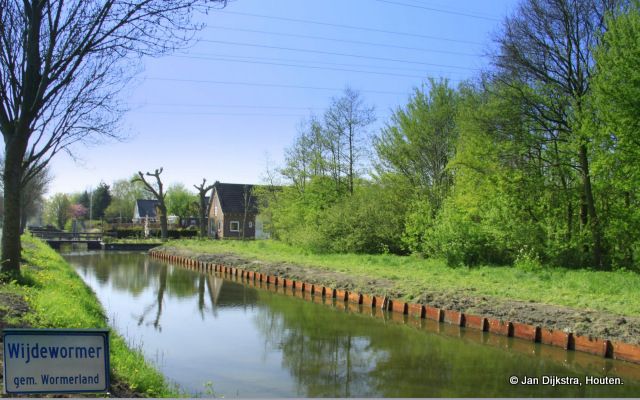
(615,292)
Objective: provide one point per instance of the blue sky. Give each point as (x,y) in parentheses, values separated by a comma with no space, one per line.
(235,98)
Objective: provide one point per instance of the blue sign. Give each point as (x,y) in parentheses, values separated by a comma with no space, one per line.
(56,360)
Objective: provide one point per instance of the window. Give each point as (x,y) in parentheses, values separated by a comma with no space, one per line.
(234,226)
(250,224)
(219,225)
(215,209)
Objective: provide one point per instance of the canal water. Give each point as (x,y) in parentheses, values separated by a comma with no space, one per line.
(210,335)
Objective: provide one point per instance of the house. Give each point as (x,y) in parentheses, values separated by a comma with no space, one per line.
(233,210)
(143,209)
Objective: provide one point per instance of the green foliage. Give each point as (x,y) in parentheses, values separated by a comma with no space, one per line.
(613,121)
(369,221)
(124,194)
(137,232)
(527,260)
(181,201)
(60,299)
(56,210)
(419,141)
(101,200)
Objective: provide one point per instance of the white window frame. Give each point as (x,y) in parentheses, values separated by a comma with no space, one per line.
(215,210)
(231,226)
(250,224)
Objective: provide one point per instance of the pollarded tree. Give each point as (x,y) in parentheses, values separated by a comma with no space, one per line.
(202,208)
(62,65)
(157,191)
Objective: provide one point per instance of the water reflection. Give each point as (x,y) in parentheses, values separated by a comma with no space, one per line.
(256,343)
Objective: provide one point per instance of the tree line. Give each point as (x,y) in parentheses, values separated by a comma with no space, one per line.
(536,161)
(115,203)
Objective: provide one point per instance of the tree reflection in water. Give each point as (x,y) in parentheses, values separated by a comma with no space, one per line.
(285,346)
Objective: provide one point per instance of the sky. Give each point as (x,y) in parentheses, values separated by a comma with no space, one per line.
(228,106)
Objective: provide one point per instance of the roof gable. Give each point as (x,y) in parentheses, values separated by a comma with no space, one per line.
(146,208)
(232,197)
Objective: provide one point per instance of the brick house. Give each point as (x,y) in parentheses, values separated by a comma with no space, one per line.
(233,210)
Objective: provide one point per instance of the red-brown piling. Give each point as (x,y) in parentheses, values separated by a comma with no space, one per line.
(476,322)
(398,306)
(417,310)
(500,327)
(592,345)
(454,317)
(368,301)
(526,332)
(329,292)
(627,352)
(355,298)
(434,313)
(341,295)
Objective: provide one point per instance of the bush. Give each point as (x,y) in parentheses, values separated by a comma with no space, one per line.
(461,240)
(138,233)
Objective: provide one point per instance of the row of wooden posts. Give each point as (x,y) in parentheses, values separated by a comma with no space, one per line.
(558,338)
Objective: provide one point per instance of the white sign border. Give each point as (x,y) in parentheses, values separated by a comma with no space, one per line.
(56,332)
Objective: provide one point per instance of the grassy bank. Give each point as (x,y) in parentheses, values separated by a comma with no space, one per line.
(615,292)
(58,298)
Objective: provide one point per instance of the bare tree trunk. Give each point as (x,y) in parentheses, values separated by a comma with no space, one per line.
(159,195)
(351,158)
(593,222)
(202,194)
(12,178)
(203,217)
(163,222)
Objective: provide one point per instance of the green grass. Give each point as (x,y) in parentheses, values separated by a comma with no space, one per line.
(108,239)
(616,292)
(58,298)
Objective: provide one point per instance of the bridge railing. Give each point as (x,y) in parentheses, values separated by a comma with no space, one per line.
(68,236)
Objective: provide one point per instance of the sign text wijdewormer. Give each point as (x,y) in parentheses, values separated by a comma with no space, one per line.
(55,361)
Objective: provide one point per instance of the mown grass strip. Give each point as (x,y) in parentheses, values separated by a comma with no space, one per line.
(616,292)
(58,298)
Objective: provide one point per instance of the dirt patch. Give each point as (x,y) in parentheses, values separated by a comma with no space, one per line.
(315,275)
(13,308)
(591,323)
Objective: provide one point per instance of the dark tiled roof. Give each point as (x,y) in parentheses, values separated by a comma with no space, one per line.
(232,197)
(147,208)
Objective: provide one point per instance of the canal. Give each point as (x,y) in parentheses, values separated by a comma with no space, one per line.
(211,334)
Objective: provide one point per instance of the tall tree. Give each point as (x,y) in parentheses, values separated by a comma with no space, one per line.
(248,203)
(180,201)
(33,197)
(101,200)
(56,210)
(62,65)
(156,189)
(124,193)
(545,56)
(420,141)
(614,119)
(346,121)
(202,209)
